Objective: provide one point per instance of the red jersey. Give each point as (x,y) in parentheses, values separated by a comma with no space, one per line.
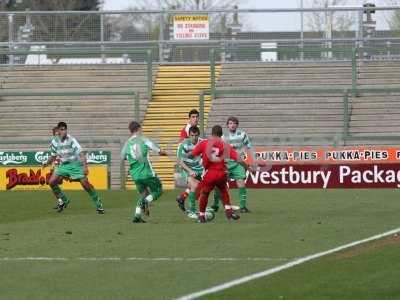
(214,147)
(185,132)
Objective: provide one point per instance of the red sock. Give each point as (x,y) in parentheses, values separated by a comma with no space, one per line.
(203,200)
(226,200)
(184,195)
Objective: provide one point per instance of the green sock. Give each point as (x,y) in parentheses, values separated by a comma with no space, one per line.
(192,201)
(95,198)
(217,197)
(242,197)
(60,194)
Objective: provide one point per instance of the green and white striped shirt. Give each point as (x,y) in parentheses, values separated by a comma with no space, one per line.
(195,164)
(239,140)
(67,150)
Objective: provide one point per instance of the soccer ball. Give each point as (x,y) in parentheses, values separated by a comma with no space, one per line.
(210,214)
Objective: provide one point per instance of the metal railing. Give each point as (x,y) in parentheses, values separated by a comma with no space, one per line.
(344,91)
(229,27)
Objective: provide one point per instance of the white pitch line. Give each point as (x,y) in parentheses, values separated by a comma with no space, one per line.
(155,259)
(277,269)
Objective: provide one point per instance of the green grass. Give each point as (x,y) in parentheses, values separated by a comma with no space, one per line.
(369,276)
(283,225)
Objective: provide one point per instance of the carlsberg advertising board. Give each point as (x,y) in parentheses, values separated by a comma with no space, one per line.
(21,170)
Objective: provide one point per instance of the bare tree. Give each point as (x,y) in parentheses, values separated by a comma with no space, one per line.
(146,26)
(190,4)
(318,21)
(394,17)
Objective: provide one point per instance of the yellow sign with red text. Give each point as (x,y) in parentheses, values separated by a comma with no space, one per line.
(37,178)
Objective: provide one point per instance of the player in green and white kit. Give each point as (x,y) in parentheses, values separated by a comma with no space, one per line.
(240,141)
(72,165)
(136,152)
(191,169)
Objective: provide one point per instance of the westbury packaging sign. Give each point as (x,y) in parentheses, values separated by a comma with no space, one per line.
(360,167)
(23,171)
(195,27)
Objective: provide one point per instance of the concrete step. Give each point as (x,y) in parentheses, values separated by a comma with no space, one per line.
(374,131)
(289,76)
(273,83)
(196,79)
(177,105)
(204,74)
(383,122)
(279,100)
(67,85)
(372,105)
(283,115)
(380,111)
(104,109)
(382,81)
(277,106)
(188,92)
(63,79)
(178,98)
(182,86)
(221,119)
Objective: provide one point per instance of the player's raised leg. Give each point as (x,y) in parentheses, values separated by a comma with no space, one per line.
(135,151)
(59,194)
(93,194)
(150,190)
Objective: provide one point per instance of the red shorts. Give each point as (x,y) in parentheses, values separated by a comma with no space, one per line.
(212,179)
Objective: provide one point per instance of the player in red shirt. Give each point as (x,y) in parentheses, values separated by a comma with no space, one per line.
(184,134)
(214,151)
(193,121)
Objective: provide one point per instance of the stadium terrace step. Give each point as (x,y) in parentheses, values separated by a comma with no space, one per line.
(169,86)
(161,110)
(188,92)
(183,98)
(256,111)
(65,85)
(43,79)
(248,83)
(180,104)
(175,93)
(167,80)
(279,99)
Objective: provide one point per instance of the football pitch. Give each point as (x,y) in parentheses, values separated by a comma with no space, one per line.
(78,254)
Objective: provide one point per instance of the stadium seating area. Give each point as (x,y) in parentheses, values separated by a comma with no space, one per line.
(31,118)
(289,117)
(284,119)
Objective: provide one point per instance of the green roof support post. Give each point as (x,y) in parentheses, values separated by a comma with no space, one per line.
(354,71)
(201,111)
(137,107)
(149,61)
(212,72)
(346,117)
